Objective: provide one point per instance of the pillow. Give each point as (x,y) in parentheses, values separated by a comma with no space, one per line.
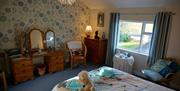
(153,75)
(74,85)
(159,65)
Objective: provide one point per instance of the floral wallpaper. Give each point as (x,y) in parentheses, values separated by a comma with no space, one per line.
(68,22)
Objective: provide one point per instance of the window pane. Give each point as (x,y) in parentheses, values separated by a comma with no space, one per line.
(130,35)
(145,43)
(149,27)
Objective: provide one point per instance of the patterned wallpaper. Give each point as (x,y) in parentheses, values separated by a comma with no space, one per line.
(68,22)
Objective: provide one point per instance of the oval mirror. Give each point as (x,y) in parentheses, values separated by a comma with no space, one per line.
(50,39)
(36,39)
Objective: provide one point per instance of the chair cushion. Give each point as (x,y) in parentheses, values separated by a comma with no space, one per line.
(153,75)
(77,51)
(164,67)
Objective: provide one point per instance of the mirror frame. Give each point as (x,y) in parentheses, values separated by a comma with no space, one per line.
(49,30)
(30,44)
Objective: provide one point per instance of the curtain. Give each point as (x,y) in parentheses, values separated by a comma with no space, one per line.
(160,36)
(113,39)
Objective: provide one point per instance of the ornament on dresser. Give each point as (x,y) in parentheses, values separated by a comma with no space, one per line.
(96,35)
(103,35)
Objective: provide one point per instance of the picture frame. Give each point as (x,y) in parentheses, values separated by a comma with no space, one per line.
(100,19)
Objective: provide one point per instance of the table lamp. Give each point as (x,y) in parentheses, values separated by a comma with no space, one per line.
(88,31)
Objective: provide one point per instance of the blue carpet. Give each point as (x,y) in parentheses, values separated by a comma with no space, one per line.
(48,81)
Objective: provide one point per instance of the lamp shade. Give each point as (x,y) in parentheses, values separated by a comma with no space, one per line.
(88,28)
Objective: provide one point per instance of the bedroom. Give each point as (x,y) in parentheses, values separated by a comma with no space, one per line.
(68,22)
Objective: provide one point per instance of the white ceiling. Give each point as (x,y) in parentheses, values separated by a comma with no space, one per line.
(103,4)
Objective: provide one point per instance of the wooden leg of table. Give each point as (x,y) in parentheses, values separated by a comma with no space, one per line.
(71,64)
(4,81)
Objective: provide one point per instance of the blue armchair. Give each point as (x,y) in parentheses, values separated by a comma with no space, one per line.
(164,70)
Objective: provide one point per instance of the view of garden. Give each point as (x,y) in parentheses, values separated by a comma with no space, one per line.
(131,37)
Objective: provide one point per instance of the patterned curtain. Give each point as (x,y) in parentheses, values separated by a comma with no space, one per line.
(159,41)
(113,39)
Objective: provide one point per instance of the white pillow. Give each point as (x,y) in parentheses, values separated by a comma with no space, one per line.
(153,75)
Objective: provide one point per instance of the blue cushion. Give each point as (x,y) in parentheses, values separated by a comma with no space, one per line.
(74,85)
(165,71)
(173,66)
(153,75)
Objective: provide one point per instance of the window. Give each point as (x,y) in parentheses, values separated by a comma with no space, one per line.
(135,36)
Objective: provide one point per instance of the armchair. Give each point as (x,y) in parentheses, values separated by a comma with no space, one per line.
(77,51)
(163,71)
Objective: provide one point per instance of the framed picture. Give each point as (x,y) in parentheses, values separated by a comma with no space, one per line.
(100,19)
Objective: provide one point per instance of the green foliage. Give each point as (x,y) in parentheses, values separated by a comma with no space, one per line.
(125,38)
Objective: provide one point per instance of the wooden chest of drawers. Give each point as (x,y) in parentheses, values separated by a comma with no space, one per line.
(96,50)
(22,69)
(54,61)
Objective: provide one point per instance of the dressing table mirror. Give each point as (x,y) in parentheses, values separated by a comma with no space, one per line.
(36,40)
(50,40)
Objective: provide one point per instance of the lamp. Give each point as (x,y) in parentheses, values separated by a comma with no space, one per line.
(88,31)
(67,2)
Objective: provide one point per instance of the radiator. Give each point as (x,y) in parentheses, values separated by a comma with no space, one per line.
(123,64)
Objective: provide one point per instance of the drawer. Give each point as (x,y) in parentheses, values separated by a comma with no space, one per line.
(55,63)
(22,78)
(56,58)
(21,64)
(60,67)
(51,69)
(52,59)
(56,67)
(23,74)
(23,70)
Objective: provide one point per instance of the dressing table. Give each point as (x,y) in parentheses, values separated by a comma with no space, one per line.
(41,50)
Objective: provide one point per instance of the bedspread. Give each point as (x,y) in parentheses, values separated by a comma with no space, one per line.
(122,82)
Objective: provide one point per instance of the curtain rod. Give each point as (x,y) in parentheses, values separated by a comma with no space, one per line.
(142,13)
(137,13)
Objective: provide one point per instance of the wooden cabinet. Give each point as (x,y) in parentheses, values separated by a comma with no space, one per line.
(54,61)
(22,69)
(96,50)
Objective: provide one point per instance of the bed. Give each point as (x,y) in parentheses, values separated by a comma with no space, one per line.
(123,82)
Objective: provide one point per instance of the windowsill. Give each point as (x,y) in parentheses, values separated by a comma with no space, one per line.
(132,52)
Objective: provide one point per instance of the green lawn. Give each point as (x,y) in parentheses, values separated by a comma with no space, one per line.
(130,45)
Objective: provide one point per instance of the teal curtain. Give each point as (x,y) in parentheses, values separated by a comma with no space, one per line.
(113,39)
(159,41)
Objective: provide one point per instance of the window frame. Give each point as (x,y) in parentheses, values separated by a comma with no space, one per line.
(141,36)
